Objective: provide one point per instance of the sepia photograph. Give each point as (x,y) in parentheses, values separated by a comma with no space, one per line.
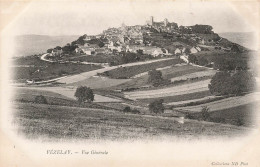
(158,78)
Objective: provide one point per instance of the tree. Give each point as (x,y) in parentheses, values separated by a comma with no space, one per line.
(223,83)
(84,93)
(140,51)
(202,61)
(220,83)
(155,77)
(101,44)
(187,51)
(193,59)
(58,48)
(49,50)
(242,81)
(205,113)
(156,106)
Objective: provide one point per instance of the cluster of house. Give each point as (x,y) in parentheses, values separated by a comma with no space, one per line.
(130,39)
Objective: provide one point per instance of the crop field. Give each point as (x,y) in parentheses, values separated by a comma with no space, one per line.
(200,74)
(183,72)
(99,82)
(127,72)
(178,98)
(224,103)
(169,91)
(177,71)
(50,123)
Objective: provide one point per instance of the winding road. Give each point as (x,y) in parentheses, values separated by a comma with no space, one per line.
(85,75)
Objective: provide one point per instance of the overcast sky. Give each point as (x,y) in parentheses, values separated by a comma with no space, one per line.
(77,18)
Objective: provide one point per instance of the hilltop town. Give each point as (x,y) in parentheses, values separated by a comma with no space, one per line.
(156,39)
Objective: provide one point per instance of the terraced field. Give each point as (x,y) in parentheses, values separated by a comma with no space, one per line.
(178,72)
(169,91)
(200,74)
(99,82)
(224,103)
(179,98)
(127,72)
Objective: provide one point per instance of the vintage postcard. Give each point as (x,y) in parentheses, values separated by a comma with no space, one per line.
(129,83)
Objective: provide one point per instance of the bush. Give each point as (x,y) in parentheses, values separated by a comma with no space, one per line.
(40,99)
(127,109)
(156,106)
(189,116)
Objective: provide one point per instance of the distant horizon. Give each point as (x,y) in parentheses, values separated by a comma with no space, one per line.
(91,18)
(99,33)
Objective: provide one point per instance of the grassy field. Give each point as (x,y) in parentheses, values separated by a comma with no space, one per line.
(243,115)
(224,103)
(37,121)
(127,72)
(41,70)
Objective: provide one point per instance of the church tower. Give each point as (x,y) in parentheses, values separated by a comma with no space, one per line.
(151,20)
(165,22)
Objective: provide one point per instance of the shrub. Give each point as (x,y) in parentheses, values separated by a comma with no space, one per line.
(40,99)
(127,109)
(135,111)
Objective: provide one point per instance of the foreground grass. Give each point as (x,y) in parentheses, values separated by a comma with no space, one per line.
(38,121)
